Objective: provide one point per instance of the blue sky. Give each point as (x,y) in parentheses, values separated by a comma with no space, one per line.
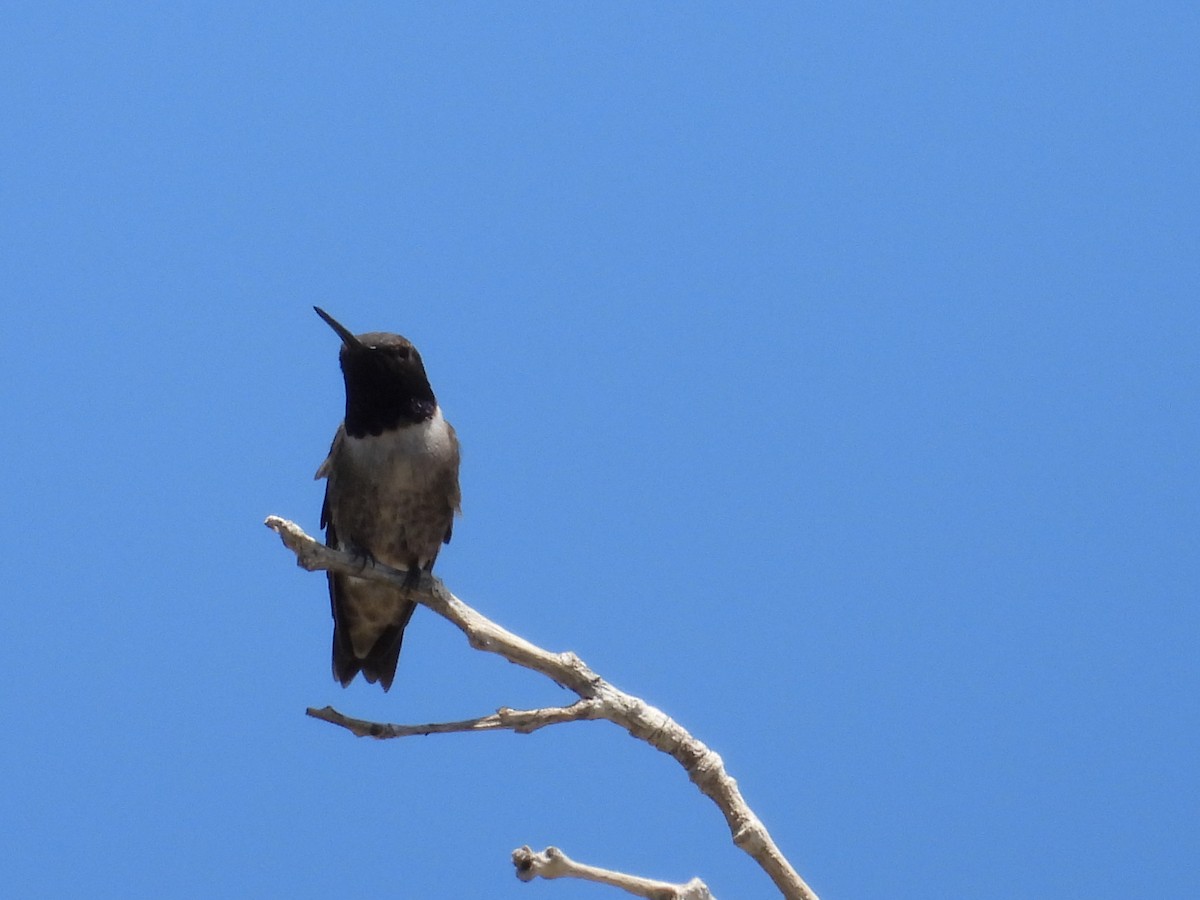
(826,375)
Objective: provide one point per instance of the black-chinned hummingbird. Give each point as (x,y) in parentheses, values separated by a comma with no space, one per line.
(391,494)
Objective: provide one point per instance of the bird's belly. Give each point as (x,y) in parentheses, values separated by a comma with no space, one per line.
(398,527)
(391,498)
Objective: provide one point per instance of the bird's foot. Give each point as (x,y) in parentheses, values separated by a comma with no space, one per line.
(412,578)
(361,554)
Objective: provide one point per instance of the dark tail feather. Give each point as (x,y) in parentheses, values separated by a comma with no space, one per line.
(345,664)
(379,665)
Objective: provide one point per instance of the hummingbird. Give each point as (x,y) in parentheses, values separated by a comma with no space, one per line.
(391,494)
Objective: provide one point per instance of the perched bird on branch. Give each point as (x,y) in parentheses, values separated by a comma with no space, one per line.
(391,495)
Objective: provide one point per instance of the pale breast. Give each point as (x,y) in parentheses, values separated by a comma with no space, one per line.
(395,494)
(409,458)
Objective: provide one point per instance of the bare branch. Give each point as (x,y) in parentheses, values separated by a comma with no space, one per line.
(704,767)
(553,863)
(522,721)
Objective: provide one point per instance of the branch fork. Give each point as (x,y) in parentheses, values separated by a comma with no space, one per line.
(598,699)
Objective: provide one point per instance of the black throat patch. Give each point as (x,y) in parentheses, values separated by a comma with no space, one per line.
(384,391)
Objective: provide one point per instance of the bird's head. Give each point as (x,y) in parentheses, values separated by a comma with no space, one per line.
(386,384)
